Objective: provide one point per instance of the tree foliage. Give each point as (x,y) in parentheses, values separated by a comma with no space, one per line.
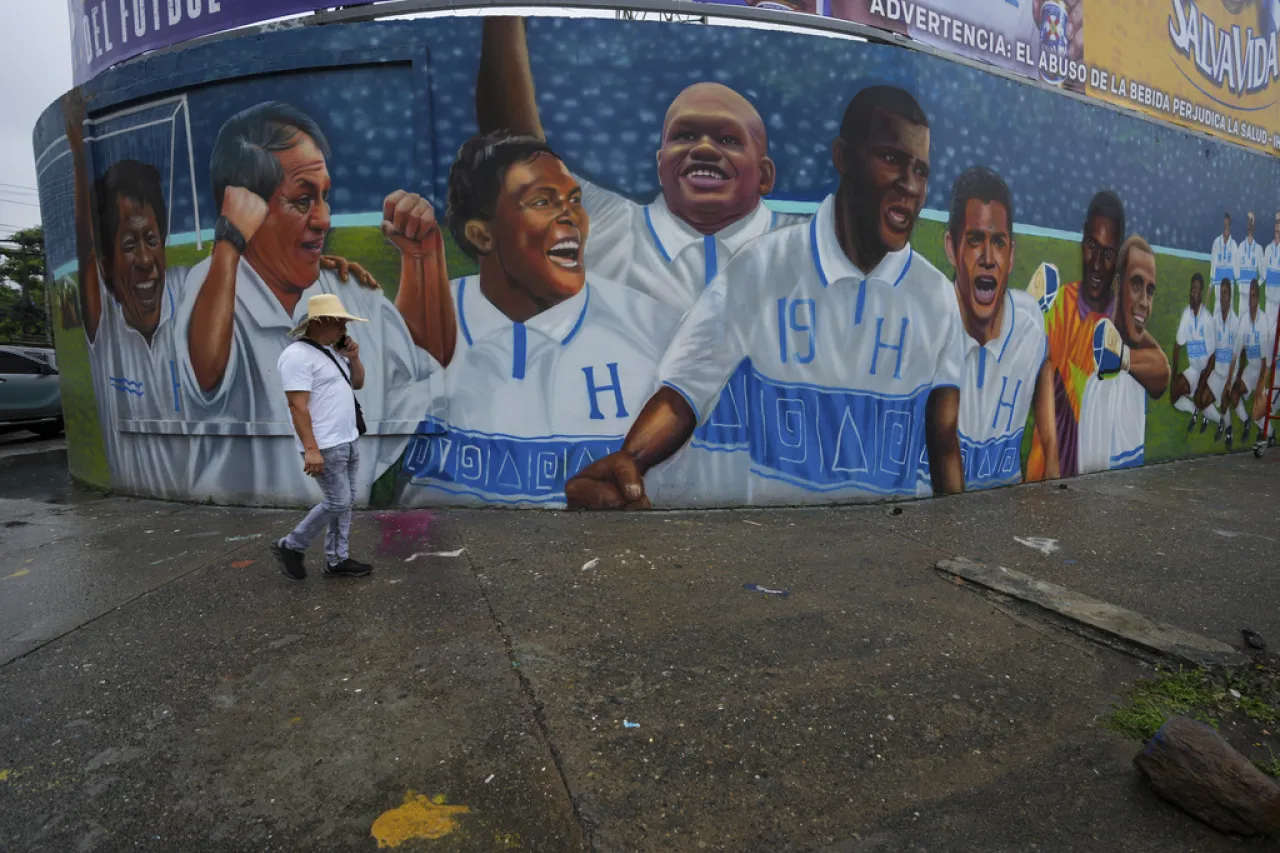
(22,285)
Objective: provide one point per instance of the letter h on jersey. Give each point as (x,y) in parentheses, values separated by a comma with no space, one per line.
(593,390)
(898,347)
(1000,406)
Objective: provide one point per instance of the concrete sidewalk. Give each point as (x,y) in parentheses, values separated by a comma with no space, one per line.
(604,682)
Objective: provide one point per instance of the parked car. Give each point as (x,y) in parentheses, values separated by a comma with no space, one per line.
(29,394)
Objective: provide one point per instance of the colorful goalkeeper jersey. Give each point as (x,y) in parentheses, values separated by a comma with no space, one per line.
(1070,325)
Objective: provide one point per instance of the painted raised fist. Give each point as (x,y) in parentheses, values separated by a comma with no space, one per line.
(409,222)
(245,209)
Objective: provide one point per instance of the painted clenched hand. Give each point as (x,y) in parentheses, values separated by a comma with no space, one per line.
(614,482)
(409,222)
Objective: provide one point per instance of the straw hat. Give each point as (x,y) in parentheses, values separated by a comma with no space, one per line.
(323,305)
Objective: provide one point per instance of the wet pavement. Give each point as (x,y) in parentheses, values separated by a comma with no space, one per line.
(561,682)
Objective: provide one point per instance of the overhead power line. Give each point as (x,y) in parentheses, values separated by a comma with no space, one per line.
(15,201)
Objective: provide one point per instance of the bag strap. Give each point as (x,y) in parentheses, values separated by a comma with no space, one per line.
(329,355)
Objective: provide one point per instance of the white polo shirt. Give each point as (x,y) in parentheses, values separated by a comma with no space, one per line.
(1198,334)
(650,249)
(1249,264)
(841,364)
(246,449)
(1223,260)
(141,401)
(1113,424)
(332,405)
(999,388)
(1225,348)
(528,405)
(1253,340)
(1271,277)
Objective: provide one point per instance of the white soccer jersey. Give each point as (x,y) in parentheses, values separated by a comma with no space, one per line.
(1249,262)
(1225,348)
(840,364)
(648,248)
(1253,341)
(1198,334)
(245,450)
(999,388)
(1113,424)
(1223,261)
(1270,277)
(531,404)
(141,404)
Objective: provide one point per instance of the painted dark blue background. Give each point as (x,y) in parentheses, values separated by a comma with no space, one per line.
(397,99)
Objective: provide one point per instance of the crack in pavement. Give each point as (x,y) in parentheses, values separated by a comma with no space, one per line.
(585,824)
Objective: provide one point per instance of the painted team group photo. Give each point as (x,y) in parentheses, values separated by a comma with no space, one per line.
(594,286)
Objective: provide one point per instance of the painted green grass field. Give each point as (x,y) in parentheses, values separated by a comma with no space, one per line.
(86,453)
(1166,428)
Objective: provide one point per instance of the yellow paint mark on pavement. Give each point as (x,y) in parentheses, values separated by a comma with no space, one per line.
(19,573)
(7,774)
(295,721)
(418,817)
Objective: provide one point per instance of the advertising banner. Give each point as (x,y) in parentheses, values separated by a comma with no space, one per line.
(1005,33)
(104,32)
(1210,65)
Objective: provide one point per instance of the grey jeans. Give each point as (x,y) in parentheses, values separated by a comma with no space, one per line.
(338,486)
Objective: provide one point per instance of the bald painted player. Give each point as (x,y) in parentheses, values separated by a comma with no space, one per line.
(1113,410)
(1250,261)
(713,165)
(549,368)
(1006,361)
(1198,335)
(1253,353)
(854,352)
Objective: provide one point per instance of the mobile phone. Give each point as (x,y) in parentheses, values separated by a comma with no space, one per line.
(344,342)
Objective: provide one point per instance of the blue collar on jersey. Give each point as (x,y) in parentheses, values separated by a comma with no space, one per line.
(519,331)
(710,263)
(1012,314)
(822,273)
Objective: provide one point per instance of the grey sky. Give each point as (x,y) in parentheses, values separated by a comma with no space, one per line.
(35,67)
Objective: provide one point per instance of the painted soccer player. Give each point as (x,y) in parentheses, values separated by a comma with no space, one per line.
(1198,335)
(1113,410)
(856,359)
(1071,318)
(549,370)
(713,165)
(270,174)
(1271,277)
(127,296)
(1222,365)
(1253,349)
(1250,262)
(1224,256)
(1006,362)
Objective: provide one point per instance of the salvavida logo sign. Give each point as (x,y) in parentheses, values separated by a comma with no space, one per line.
(1235,59)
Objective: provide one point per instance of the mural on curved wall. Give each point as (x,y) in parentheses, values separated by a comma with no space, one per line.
(596,281)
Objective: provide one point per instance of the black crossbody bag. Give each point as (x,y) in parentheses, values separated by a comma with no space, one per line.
(360,427)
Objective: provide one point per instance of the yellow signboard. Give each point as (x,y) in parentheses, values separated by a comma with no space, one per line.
(1209,65)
